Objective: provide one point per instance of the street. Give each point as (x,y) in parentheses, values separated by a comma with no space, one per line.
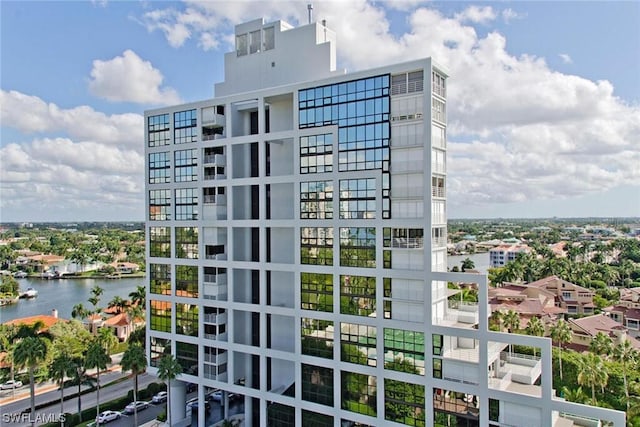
(10,410)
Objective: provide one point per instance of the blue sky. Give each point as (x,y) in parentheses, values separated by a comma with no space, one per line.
(544,97)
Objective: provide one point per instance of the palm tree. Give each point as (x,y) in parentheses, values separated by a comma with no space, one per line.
(168,369)
(139,296)
(511,321)
(561,333)
(118,303)
(467,264)
(592,373)
(601,344)
(96,292)
(574,395)
(625,354)
(61,366)
(107,339)
(30,352)
(535,328)
(98,358)
(135,360)
(79,311)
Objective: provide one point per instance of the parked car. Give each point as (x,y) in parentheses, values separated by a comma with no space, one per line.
(11,384)
(130,408)
(192,404)
(215,395)
(107,416)
(160,397)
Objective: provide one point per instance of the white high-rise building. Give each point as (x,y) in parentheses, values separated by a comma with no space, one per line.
(296,235)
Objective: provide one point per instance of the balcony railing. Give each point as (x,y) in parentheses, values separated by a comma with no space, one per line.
(407,242)
(436,191)
(438,242)
(215,319)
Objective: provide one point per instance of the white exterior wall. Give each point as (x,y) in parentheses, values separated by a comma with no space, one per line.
(420,295)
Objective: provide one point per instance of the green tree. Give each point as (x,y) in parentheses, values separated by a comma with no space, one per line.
(626,355)
(535,328)
(168,369)
(9,286)
(94,299)
(592,373)
(574,395)
(79,311)
(467,264)
(561,333)
(107,339)
(61,367)
(601,344)
(139,296)
(511,321)
(98,358)
(134,360)
(118,303)
(30,352)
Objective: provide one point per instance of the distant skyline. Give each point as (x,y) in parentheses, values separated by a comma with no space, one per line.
(543,97)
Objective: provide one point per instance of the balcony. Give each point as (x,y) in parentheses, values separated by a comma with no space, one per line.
(438,192)
(462,312)
(215,292)
(438,242)
(215,372)
(516,372)
(407,242)
(215,160)
(216,359)
(215,319)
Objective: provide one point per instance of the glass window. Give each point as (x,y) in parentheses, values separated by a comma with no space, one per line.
(404,402)
(317,337)
(316,200)
(187,357)
(160,315)
(358,393)
(187,242)
(241,44)
(317,384)
(254,41)
(159,168)
(187,281)
(269,38)
(357,295)
(158,130)
(160,279)
(187,319)
(316,153)
(159,242)
(186,165)
(316,291)
(358,198)
(316,245)
(159,205)
(404,351)
(159,347)
(186,203)
(185,127)
(358,247)
(358,344)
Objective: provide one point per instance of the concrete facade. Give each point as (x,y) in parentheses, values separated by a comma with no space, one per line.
(296,238)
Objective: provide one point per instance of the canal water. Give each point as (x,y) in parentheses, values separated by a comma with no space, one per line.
(63,294)
(480,260)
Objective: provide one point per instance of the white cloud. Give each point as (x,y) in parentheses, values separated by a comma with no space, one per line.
(537,133)
(128,78)
(476,14)
(31,115)
(509,15)
(565,58)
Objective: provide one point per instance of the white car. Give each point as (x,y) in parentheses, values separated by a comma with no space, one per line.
(10,385)
(131,407)
(107,416)
(160,397)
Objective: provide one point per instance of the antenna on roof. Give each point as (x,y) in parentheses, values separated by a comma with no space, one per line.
(310,10)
